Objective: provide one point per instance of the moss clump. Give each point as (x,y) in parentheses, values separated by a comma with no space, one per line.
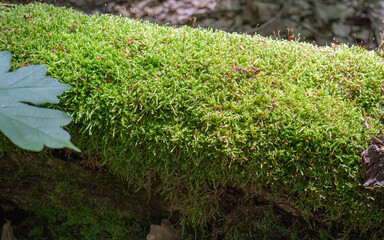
(52,222)
(184,111)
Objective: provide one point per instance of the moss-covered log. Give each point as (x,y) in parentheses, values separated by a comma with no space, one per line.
(188,113)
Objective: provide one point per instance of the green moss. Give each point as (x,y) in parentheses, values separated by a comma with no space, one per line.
(52,222)
(64,201)
(195,109)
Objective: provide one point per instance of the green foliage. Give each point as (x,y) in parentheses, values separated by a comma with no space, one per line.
(27,126)
(188,108)
(64,201)
(59,222)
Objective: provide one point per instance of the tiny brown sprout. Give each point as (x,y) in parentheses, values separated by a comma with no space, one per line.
(26,16)
(72,27)
(219,107)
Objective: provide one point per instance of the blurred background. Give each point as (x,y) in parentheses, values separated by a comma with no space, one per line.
(355,22)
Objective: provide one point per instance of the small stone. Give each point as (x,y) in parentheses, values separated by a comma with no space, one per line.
(100,2)
(163,232)
(341,30)
(325,13)
(363,34)
(222,24)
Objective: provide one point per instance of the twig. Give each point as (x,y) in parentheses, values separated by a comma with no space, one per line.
(378,141)
(365,123)
(381,46)
(314,31)
(66,54)
(270,21)
(216,12)
(7,5)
